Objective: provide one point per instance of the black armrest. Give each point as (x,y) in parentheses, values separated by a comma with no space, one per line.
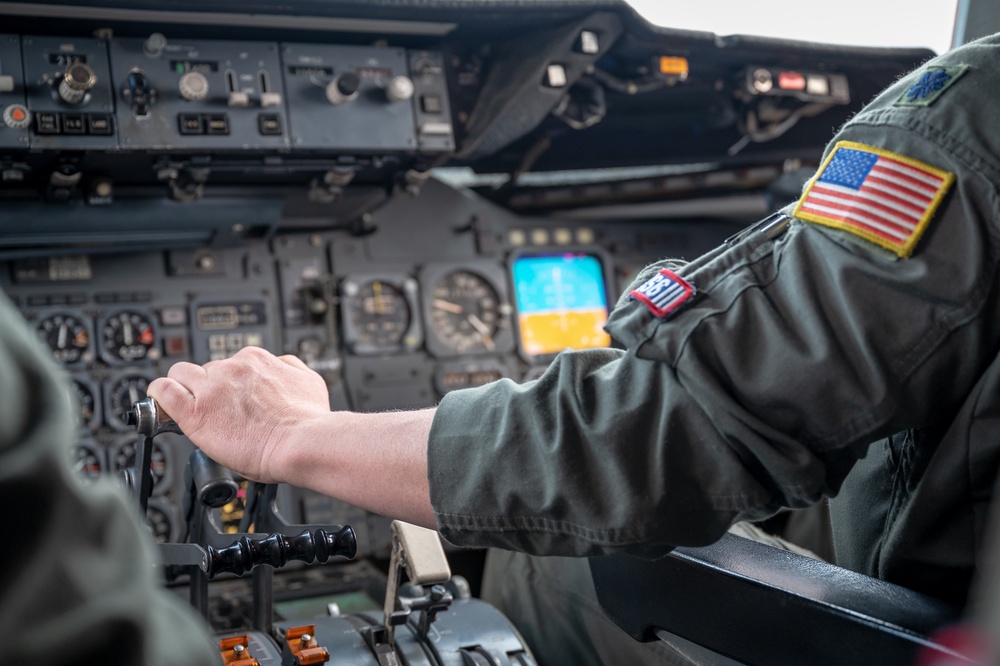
(761,605)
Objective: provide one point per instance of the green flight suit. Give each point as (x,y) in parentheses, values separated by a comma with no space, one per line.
(77,580)
(765,388)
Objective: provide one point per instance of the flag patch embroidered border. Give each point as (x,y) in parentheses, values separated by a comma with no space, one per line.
(881,196)
(664,292)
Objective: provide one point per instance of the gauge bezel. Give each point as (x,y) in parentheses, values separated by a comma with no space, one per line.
(97,451)
(87,355)
(98,396)
(159,487)
(152,354)
(407,285)
(493,274)
(168,509)
(111,419)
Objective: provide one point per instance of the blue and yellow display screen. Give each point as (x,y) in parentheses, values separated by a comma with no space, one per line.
(561,303)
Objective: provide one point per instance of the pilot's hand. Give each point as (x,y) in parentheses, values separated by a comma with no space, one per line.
(243,411)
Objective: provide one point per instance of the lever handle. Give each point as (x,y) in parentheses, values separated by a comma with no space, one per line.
(277,550)
(149,419)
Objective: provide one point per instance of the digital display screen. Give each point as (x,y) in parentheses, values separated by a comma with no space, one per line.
(561,302)
(200,66)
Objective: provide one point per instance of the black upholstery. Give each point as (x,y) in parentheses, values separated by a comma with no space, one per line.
(756,604)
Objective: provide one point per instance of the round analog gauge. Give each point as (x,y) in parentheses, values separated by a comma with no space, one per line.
(128,336)
(85,400)
(125,392)
(125,459)
(379,315)
(86,462)
(158,523)
(66,335)
(465,312)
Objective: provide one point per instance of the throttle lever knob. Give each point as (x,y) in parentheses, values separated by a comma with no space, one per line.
(343,542)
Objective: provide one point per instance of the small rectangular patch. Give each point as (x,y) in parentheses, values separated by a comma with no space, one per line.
(881,196)
(664,292)
(932,83)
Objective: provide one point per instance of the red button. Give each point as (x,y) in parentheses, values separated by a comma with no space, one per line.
(18,114)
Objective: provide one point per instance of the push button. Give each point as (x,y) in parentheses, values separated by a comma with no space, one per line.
(217,124)
(430,104)
(269,124)
(47,123)
(100,124)
(190,123)
(73,123)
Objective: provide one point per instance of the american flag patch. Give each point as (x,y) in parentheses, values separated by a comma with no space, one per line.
(884,197)
(664,292)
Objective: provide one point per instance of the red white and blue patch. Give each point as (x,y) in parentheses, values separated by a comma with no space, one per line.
(664,292)
(881,196)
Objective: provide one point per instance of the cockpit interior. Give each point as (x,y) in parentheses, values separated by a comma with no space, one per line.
(412,198)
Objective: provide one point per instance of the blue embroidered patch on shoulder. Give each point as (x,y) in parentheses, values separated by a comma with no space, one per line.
(931,85)
(664,292)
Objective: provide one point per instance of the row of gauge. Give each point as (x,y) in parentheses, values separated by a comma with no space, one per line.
(94,458)
(465,311)
(465,314)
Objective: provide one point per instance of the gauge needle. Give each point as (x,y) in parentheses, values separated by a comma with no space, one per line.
(133,394)
(127,332)
(448,306)
(61,341)
(484,331)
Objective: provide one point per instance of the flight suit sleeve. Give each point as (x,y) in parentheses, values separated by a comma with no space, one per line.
(77,577)
(762,388)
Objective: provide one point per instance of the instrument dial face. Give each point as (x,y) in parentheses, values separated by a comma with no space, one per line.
(128,337)
(124,392)
(465,312)
(86,462)
(87,403)
(379,315)
(67,336)
(125,459)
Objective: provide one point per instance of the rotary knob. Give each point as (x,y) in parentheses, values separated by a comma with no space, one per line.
(344,88)
(193,86)
(399,89)
(17,116)
(78,79)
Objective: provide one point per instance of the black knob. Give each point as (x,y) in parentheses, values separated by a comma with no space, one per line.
(213,483)
(343,89)
(348,83)
(342,542)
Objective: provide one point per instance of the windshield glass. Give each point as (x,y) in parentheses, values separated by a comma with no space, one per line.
(903,23)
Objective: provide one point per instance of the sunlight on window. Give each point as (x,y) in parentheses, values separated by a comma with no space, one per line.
(894,23)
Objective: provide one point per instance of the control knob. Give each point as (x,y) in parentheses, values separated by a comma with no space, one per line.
(399,89)
(154,45)
(193,86)
(78,79)
(17,116)
(344,88)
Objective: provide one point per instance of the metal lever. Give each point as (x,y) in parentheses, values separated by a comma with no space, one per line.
(417,550)
(149,421)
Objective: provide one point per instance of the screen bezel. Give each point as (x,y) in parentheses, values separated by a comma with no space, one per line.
(602,258)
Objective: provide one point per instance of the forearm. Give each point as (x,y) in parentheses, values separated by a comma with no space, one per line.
(374,461)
